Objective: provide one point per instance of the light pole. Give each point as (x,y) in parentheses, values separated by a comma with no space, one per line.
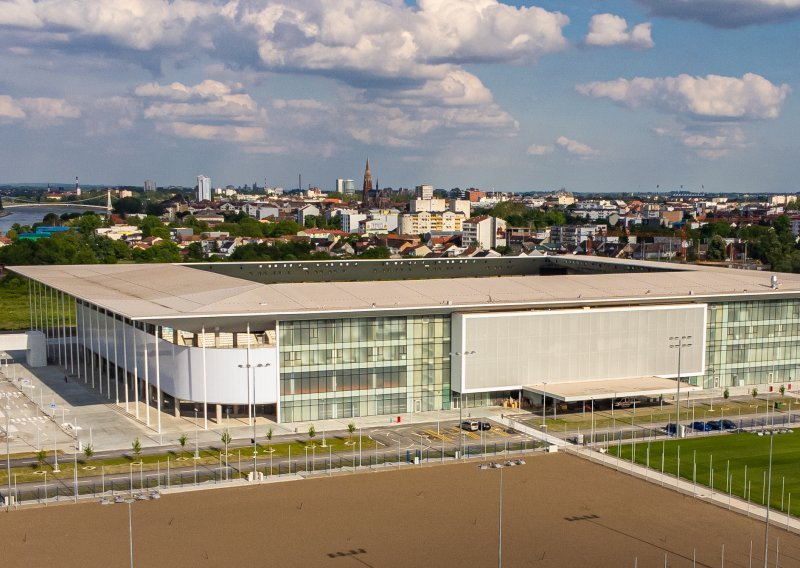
(544,405)
(196,448)
(679,342)
(130,529)
(500,517)
(461,403)
(248,366)
(769,489)
(8,458)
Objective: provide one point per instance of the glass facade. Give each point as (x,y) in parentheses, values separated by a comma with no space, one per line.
(340,368)
(752,343)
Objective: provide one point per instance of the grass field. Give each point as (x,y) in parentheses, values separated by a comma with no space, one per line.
(14,309)
(729,454)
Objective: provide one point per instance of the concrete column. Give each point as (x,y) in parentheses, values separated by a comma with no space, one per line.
(219,414)
(177,404)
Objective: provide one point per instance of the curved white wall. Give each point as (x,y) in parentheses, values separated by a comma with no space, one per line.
(180,368)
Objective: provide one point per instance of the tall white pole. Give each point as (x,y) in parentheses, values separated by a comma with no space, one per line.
(158,376)
(125,365)
(82,351)
(250,416)
(108,356)
(146,377)
(205,381)
(135,369)
(116,361)
(30,304)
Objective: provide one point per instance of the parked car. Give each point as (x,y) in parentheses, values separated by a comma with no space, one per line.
(729,424)
(485,426)
(700,426)
(714,425)
(671,429)
(470,425)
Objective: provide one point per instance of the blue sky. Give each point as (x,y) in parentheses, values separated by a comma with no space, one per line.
(616,95)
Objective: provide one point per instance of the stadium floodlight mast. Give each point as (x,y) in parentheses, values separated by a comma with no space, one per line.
(679,342)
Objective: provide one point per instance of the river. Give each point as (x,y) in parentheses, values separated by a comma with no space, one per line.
(31,215)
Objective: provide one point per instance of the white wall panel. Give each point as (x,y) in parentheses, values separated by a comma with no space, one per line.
(504,351)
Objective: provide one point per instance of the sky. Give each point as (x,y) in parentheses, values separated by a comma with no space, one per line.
(596,95)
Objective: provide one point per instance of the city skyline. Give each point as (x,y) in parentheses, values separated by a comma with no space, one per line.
(619,95)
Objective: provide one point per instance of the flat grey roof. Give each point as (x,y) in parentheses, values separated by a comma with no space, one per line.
(175,292)
(609,388)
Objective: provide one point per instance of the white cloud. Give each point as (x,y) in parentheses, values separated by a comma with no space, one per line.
(540,149)
(205,90)
(726,13)
(247,134)
(575,147)
(714,96)
(354,38)
(606,30)
(135,24)
(36,111)
(210,110)
(707,141)
(10,110)
(565,146)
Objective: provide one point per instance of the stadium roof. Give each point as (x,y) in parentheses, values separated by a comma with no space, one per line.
(180,292)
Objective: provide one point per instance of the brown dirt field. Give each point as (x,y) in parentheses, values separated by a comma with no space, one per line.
(428,516)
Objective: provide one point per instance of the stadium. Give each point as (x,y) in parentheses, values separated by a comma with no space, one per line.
(313,340)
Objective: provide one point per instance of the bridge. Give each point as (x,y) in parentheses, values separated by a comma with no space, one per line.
(89,204)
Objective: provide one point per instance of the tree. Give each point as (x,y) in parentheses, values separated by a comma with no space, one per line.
(226,439)
(182,441)
(754,392)
(716,249)
(136,446)
(128,205)
(311,433)
(782,390)
(41,458)
(269,438)
(88,451)
(351,428)
(726,393)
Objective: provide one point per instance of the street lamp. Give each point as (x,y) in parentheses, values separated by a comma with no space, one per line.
(679,342)
(544,404)
(500,511)
(248,366)
(461,404)
(8,457)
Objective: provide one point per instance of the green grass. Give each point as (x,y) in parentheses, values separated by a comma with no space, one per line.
(336,445)
(731,453)
(14,310)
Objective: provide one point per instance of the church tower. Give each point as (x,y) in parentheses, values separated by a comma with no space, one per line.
(367,186)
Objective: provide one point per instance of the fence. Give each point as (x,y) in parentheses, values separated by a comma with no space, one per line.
(54,489)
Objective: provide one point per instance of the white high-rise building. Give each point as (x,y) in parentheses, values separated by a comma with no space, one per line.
(345,186)
(149,185)
(424,192)
(203,188)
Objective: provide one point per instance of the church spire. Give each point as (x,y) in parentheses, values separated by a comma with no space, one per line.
(367,185)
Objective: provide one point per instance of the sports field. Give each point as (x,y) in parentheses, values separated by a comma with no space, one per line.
(729,455)
(558,511)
